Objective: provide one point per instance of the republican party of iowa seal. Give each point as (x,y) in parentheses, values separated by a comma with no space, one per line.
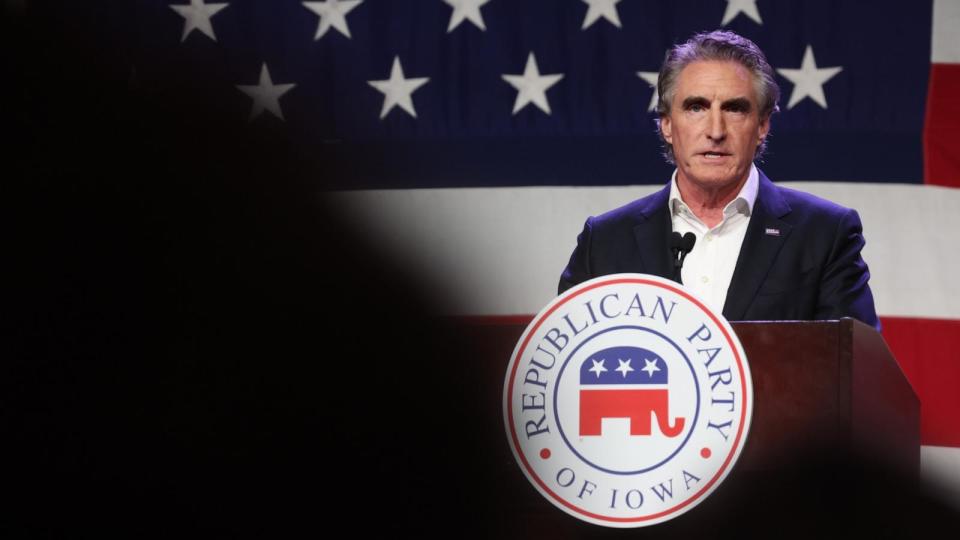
(627,401)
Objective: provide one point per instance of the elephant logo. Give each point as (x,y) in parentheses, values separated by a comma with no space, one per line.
(626,382)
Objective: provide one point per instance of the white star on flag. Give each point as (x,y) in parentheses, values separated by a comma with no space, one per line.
(597,367)
(624,366)
(466,10)
(333,13)
(266,95)
(736,7)
(197,17)
(808,81)
(651,78)
(398,90)
(531,86)
(650,366)
(601,8)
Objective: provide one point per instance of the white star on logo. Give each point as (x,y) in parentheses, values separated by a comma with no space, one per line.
(398,90)
(601,8)
(736,7)
(650,366)
(333,13)
(466,9)
(624,366)
(266,95)
(597,367)
(531,86)
(808,81)
(651,78)
(197,17)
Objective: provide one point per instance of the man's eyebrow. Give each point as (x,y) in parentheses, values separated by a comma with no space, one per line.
(696,100)
(737,104)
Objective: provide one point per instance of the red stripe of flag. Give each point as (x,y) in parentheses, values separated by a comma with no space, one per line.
(941,131)
(928,351)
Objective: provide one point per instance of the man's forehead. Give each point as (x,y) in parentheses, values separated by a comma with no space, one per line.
(714,78)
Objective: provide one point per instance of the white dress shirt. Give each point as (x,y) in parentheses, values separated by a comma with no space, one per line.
(708,269)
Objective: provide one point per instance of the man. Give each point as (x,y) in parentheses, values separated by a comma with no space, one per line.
(762,252)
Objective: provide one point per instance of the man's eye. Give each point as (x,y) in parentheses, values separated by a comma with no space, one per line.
(696,108)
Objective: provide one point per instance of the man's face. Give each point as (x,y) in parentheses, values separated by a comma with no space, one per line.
(714,124)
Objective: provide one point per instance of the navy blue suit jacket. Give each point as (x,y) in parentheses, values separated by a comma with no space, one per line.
(810,268)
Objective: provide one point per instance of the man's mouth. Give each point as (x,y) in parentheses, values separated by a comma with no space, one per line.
(714,155)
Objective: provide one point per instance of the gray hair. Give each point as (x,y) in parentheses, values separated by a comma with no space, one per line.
(719,45)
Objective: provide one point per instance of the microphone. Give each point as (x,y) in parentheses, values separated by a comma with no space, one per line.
(680,246)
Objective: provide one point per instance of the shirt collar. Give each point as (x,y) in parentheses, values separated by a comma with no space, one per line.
(742,203)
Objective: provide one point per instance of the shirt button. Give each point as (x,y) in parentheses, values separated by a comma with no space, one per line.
(704,279)
(709,238)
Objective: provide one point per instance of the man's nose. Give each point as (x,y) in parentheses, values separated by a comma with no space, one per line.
(716,127)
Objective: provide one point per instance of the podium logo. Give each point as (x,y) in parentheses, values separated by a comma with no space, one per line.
(627,401)
(636,395)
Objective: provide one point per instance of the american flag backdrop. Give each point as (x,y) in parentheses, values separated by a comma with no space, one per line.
(473,137)
(526,117)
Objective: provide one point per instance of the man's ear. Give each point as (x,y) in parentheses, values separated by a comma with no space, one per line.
(763,129)
(667,130)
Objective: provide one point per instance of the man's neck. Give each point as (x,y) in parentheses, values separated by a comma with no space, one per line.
(708,203)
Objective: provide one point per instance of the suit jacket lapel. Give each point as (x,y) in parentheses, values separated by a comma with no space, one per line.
(652,234)
(759,250)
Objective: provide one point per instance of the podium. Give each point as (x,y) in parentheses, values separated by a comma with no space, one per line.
(821,388)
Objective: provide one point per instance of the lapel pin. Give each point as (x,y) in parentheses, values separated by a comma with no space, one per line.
(772,232)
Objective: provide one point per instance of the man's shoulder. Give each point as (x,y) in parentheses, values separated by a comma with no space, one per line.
(634,212)
(802,204)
